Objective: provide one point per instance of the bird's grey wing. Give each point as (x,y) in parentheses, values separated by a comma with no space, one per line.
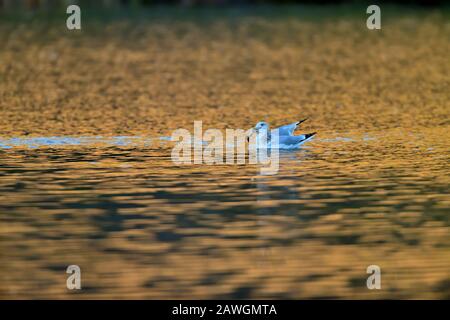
(295,140)
(288,130)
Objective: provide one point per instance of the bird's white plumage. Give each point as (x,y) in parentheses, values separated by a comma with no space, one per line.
(282,137)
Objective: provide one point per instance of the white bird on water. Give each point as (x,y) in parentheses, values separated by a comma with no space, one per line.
(286,137)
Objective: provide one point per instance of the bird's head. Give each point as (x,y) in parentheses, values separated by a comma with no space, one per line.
(261,127)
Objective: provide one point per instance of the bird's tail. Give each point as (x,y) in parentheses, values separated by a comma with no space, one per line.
(309,135)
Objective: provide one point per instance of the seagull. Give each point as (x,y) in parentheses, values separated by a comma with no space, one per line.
(286,137)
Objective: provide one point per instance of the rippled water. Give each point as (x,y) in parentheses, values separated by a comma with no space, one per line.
(141,227)
(86,179)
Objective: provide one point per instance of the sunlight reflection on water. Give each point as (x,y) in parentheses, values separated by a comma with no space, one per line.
(86,175)
(139,226)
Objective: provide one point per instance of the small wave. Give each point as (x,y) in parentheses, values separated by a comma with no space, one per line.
(36,142)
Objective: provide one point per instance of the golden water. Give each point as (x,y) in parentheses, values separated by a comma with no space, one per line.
(371,188)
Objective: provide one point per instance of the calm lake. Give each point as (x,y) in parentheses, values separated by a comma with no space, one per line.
(85,178)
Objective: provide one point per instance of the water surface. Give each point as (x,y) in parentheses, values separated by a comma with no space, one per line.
(141,227)
(85,178)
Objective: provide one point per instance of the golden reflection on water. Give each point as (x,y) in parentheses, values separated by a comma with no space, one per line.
(372,188)
(140,227)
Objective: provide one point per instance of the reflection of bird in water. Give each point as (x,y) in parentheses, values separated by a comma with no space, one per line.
(275,196)
(285,134)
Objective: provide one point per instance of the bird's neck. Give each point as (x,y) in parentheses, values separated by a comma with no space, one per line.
(264,135)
